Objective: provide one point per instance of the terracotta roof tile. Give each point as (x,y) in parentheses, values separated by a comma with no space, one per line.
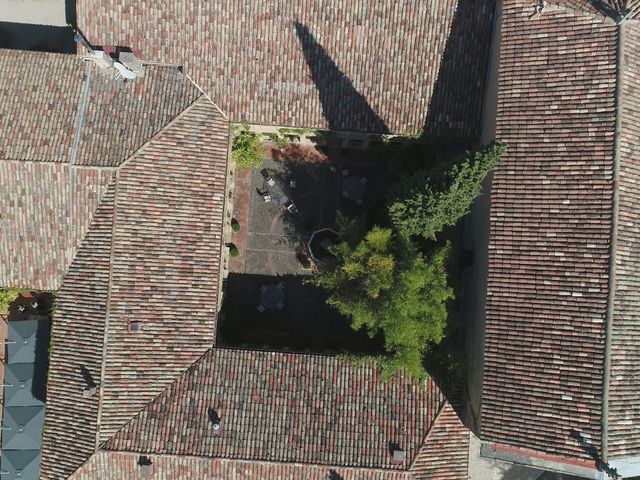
(113,108)
(445,452)
(69,435)
(551,220)
(624,406)
(45,210)
(42,100)
(166,261)
(39,96)
(439,49)
(284,407)
(118,465)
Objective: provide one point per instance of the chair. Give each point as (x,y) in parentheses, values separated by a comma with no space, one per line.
(280,306)
(359,201)
(363,180)
(261,308)
(263,288)
(271,182)
(345,172)
(281,285)
(292,183)
(266,197)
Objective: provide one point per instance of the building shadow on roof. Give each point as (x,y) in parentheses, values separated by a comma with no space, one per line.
(40,38)
(343,106)
(456,104)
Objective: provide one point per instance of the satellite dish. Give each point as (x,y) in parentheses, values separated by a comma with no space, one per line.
(124,71)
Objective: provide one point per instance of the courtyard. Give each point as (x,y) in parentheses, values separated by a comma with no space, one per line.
(269,301)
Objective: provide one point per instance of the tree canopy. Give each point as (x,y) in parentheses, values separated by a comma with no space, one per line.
(384,285)
(426,202)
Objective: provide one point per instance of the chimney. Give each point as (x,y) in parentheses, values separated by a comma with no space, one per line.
(146,466)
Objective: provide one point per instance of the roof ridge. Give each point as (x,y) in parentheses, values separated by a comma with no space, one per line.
(166,127)
(98,205)
(614,241)
(107,310)
(103,445)
(429,432)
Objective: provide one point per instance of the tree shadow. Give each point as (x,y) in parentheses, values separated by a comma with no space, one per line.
(456,105)
(343,106)
(40,38)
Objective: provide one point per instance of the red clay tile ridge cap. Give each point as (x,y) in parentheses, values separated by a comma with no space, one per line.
(533,458)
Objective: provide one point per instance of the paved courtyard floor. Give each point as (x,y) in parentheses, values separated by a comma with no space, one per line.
(272,241)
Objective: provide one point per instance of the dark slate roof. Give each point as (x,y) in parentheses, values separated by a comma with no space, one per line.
(45,210)
(287,408)
(107,465)
(624,404)
(376,66)
(551,221)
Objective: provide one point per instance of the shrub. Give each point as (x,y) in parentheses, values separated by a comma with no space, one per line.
(248,149)
(233,250)
(235,225)
(7,297)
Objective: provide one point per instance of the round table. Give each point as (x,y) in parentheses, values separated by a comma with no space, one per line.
(353,188)
(271,296)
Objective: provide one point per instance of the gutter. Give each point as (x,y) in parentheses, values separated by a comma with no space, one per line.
(614,243)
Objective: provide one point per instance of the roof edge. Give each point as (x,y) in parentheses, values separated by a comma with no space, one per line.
(539,460)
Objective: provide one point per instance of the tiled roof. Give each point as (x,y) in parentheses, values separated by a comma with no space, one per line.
(287,408)
(42,100)
(113,108)
(445,451)
(39,97)
(155,261)
(383,62)
(624,405)
(106,465)
(69,435)
(165,261)
(551,220)
(45,210)
(142,242)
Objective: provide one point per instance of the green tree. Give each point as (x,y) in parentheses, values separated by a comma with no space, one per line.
(7,297)
(384,285)
(426,202)
(248,149)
